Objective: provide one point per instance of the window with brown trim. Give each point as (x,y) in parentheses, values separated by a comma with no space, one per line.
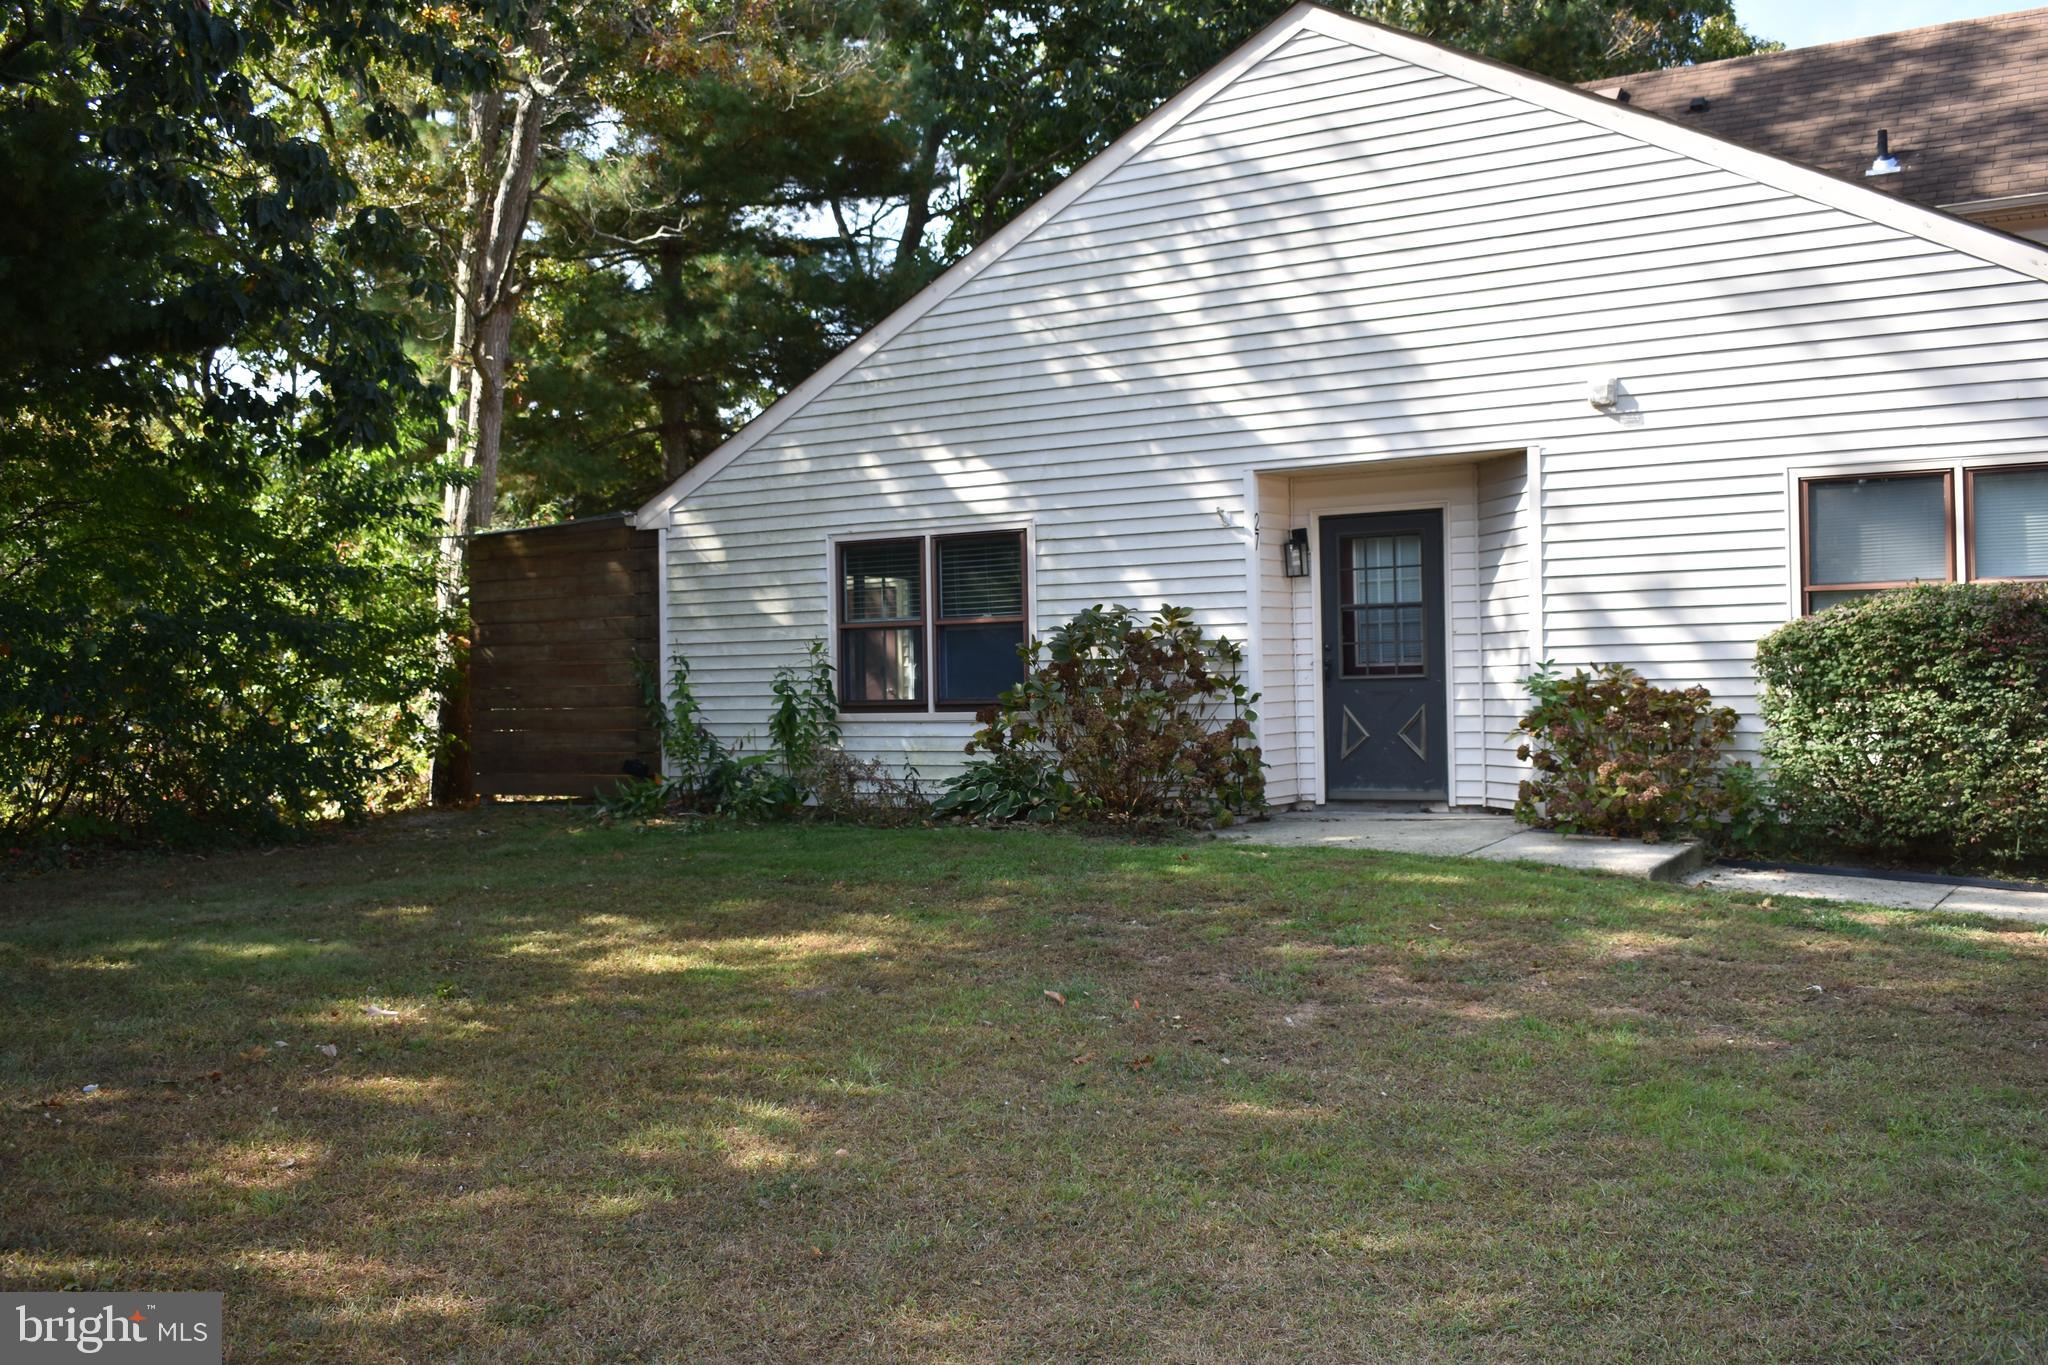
(881,625)
(1864,533)
(2006,521)
(958,599)
(979,626)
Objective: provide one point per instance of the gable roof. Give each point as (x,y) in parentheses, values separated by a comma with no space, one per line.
(1984,243)
(1963,103)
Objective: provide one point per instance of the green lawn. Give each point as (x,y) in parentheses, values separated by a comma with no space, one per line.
(793,1094)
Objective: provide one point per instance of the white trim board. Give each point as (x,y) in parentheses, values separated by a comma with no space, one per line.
(1984,243)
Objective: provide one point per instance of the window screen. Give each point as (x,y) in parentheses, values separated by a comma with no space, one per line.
(2010,523)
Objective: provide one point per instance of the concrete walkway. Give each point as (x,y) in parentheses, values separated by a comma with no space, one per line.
(1957,897)
(1500,839)
(1494,837)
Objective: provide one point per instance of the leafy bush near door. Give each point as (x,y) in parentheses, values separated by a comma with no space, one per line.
(1614,754)
(1123,719)
(1914,724)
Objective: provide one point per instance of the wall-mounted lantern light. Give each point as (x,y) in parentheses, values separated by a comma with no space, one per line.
(1294,554)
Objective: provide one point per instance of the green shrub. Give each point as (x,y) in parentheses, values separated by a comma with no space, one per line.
(1016,785)
(1615,755)
(804,769)
(1914,723)
(1144,721)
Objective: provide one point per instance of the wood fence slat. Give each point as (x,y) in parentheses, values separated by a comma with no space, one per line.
(550,673)
(528,695)
(591,720)
(573,581)
(542,568)
(518,760)
(564,607)
(582,785)
(589,628)
(554,540)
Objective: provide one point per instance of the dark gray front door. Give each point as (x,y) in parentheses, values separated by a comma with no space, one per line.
(1384,698)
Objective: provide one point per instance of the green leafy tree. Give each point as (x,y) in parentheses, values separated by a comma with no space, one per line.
(215,558)
(713,239)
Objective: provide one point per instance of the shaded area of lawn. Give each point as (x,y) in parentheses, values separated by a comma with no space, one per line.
(780,1094)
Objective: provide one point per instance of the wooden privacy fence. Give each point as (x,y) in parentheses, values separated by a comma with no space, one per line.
(565,632)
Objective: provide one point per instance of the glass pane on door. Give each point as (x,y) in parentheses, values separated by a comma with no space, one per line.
(1382,604)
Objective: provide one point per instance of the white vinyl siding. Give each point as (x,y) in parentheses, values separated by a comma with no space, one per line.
(1505,586)
(1341,258)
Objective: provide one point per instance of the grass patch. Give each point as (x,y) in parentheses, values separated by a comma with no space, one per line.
(596,1093)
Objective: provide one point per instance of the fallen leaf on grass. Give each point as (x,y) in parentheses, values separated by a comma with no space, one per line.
(1082,1058)
(1140,1063)
(254,1054)
(329,1050)
(1057,998)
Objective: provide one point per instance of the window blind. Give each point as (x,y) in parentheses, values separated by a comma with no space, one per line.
(979,577)
(884,581)
(1878,530)
(2010,522)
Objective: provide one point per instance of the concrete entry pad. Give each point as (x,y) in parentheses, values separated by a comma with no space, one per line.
(1625,857)
(1387,831)
(1495,837)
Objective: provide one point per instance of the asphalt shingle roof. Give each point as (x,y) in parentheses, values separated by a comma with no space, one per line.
(1966,105)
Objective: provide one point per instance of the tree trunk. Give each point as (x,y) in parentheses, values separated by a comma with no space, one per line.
(678,450)
(498,294)
(917,214)
(486,112)
(497,199)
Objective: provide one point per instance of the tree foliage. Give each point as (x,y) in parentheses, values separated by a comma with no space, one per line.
(213,589)
(705,243)
(765,181)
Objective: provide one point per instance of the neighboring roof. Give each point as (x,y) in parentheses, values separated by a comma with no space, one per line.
(1986,244)
(1963,102)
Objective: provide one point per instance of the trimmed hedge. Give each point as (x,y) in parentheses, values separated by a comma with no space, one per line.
(1914,723)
